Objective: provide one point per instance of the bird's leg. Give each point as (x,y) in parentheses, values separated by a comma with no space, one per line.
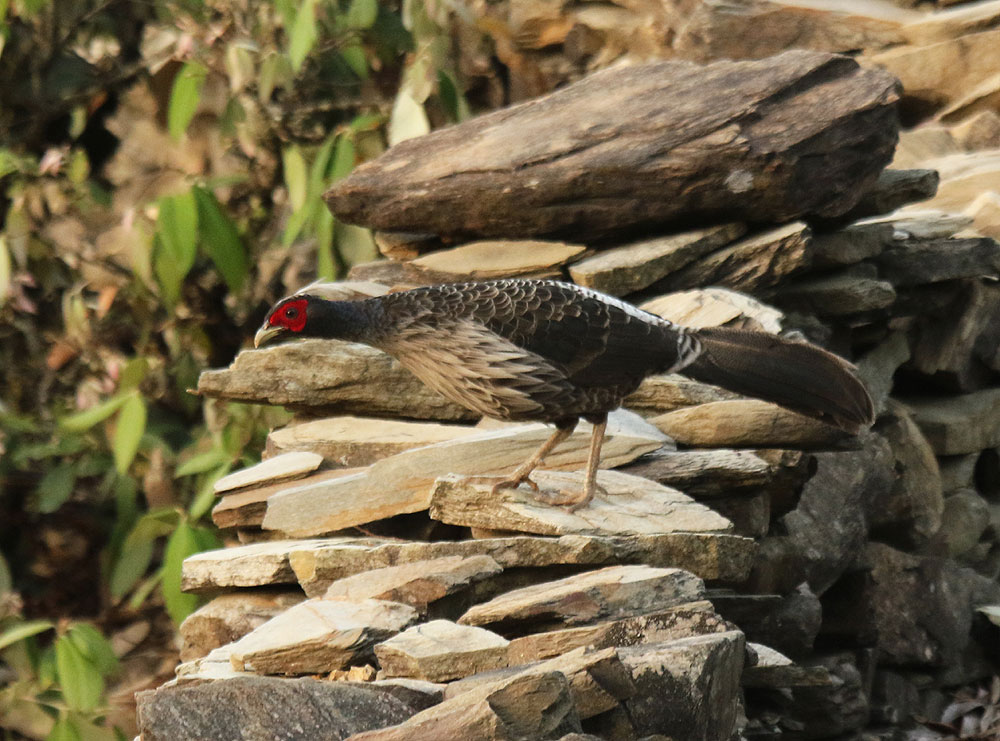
(573,501)
(564,428)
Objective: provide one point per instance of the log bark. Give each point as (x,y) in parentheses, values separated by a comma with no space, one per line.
(670,143)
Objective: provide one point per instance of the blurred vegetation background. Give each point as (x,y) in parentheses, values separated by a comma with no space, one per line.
(161,167)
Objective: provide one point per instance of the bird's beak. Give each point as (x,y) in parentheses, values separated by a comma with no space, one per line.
(265,334)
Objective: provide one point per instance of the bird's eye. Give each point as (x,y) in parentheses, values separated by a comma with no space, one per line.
(291,312)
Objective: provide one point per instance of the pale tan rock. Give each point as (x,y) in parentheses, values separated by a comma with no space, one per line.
(318,563)
(954,425)
(666,392)
(759,261)
(229,617)
(402,483)
(319,636)
(701,473)
(214,666)
(979,131)
(500,258)
(626,269)
(945,25)
(288,466)
(985,213)
(718,30)
(775,670)
(359,441)
(441,650)
(246,508)
(745,423)
(942,73)
(405,246)
(610,593)
(329,376)
(983,98)
(715,307)
(631,505)
(923,144)
(597,679)
(693,618)
(536,706)
(416,584)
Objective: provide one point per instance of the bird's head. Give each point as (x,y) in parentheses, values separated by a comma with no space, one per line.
(288,318)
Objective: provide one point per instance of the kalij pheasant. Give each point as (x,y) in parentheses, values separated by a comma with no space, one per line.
(554,352)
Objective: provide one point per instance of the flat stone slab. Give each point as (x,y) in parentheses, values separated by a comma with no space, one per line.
(243,708)
(441,650)
(669,391)
(715,307)
(682,621)
(622,270)
(229,617)
(315,564)
(352,442)
(246,507)
(332,376)
(402,483)
(318,636)
(955,425)
(610,593)
(289,465)
(774,670)
(746,423)
(632,505)
(917,262)
(416,584)
(705,473)
(535,706)
(489,259)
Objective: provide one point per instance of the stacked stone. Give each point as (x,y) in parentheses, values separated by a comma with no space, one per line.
(748,571)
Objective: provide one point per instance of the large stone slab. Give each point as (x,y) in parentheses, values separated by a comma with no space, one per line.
(318,636)
(626,269)
(441,650)
(330,376)
(841,294)
(402,483)
(917,262)
(229,617)
(704,473)
(669,391)
(245,708)
(715,307)
(954,425)
(746,423)
(416,584)
(610,593)
(499,259)
(535,706)
(628,505)
(774,670)
(772,140)
(318,563)
(353,442)
(752,264)
(689,619)
(246,507)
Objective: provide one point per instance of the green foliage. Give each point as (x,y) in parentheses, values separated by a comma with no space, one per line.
(184,98)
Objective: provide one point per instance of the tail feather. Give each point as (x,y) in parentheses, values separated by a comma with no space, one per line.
(796,375)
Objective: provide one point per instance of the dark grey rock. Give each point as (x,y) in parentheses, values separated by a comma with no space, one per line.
(787,623)
(266,708)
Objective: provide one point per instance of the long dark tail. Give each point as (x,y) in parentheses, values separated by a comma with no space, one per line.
(795,375)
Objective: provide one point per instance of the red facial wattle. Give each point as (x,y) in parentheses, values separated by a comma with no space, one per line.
(291,316)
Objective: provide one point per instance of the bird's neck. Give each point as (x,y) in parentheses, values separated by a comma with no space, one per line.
(354,321)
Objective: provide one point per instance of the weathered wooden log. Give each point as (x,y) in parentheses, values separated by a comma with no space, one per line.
(670,143)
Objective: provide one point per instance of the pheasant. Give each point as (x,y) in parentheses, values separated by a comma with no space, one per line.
(555,352)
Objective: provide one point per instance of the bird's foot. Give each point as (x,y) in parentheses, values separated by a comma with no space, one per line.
(514,483)
(570,500)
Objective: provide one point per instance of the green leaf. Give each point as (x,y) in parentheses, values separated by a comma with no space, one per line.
(326,266)
(137,553)
(408,119)
(6,580)
(343,158)
(303,35)
(355,244)
(20,631)
(176,243)
(202,462)
(296,179)
(82,421)
(128,434)
(55,488)
(5,270)
(220,240)
(64,730)
(451,97)
(142,592)
(203,500)
(95,647)
(181,544)
(275,71)
(355,58)
(184,98)
(320,165)
(361,14)
(82,684)
(133,373)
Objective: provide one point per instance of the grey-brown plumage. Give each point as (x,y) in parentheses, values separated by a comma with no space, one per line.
(555,352)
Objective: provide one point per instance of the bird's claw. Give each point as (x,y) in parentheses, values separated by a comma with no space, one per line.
(513,484)
(571,501)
